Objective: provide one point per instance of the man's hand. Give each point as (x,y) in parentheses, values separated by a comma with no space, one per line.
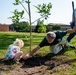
(69,31)
(29,55)
(26,56)
(74,28)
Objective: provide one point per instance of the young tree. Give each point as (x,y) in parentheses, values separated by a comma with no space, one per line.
(17,16)
(17,2)
(44,10)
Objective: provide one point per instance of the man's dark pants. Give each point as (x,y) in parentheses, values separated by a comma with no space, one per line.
(69,38)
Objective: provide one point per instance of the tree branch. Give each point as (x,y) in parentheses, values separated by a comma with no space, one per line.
(24,7)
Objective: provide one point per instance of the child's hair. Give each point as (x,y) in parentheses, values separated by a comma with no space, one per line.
(19,43)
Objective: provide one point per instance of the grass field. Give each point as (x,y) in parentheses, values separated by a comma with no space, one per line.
(7,38)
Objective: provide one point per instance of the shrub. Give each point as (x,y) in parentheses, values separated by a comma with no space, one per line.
(56,27)
(20,27)
(41,27)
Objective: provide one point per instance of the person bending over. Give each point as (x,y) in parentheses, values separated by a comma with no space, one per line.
(54,39)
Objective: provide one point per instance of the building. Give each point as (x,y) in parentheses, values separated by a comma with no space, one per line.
(4,27)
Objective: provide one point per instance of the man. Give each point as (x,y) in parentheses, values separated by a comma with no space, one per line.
(69,38)
(53,39)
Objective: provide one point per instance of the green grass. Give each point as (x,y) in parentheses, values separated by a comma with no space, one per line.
(7,38)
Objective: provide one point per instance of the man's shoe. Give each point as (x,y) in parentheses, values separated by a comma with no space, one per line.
(73,47)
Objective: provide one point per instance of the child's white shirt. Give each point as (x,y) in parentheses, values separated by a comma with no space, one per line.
(12,51)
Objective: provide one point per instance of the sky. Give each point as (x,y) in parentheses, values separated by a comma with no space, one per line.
(61,11)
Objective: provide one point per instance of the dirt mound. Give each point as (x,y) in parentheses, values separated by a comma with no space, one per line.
(37,65)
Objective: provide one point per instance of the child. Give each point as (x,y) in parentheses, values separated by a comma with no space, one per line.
(13,51)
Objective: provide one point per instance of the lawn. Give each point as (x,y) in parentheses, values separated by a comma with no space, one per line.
(67,56)
(7,38)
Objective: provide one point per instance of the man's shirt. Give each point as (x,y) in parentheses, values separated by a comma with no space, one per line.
(59,35)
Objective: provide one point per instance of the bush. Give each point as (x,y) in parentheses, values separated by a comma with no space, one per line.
(56,27)
(41,27)
(20,27)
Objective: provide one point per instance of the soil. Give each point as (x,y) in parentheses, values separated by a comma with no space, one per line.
(37,65)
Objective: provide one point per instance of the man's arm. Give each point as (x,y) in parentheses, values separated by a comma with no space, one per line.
(73,12)
(29,55)
(69,31)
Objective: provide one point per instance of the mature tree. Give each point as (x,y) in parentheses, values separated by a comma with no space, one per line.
(22,27)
